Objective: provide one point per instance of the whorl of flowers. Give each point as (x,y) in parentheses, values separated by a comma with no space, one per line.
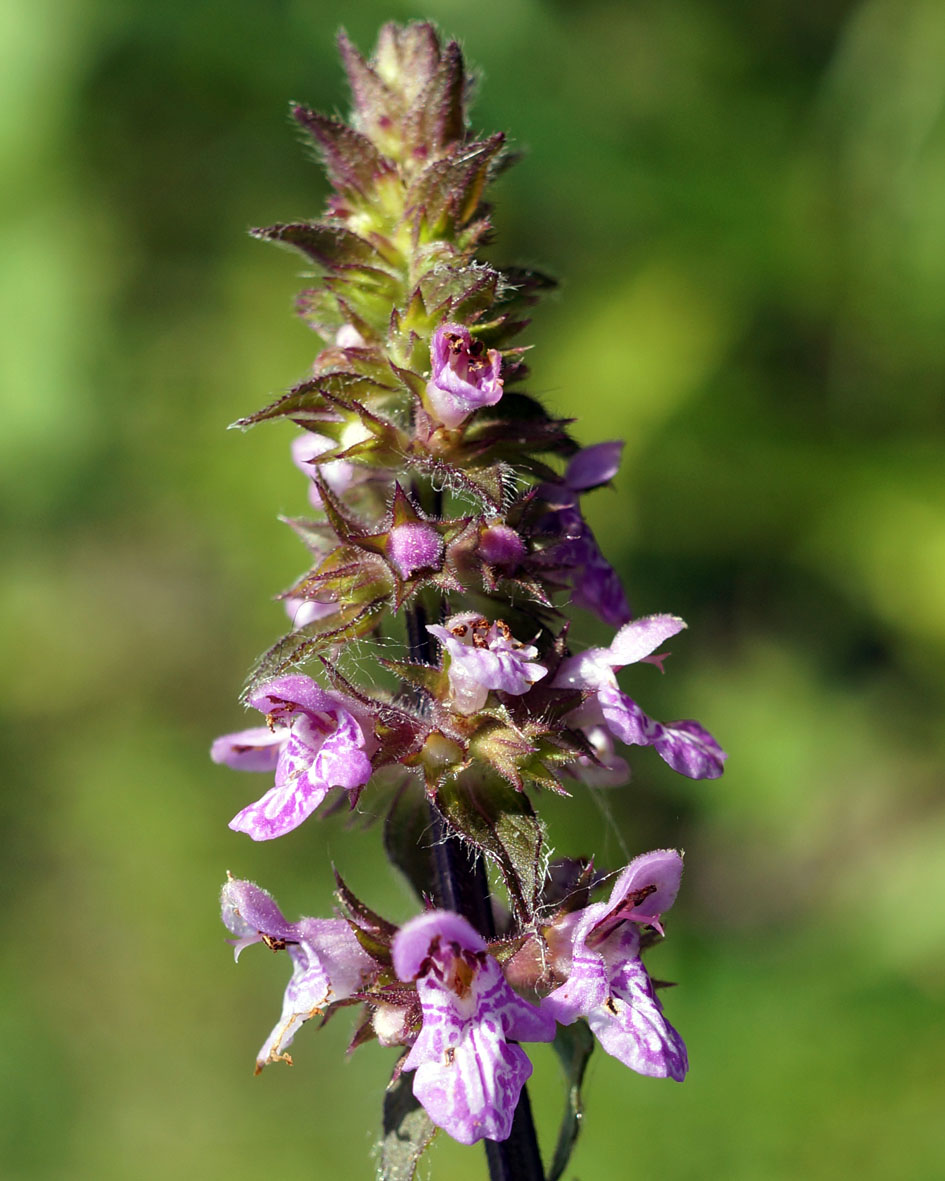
(446,516)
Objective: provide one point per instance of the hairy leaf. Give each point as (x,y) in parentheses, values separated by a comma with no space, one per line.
(573,1044)
(407,836)
(352,161)
(436,117)
(408,1131)
(502,823)
(453,184)
(347,623)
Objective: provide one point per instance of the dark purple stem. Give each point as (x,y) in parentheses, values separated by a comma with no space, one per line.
(461,885)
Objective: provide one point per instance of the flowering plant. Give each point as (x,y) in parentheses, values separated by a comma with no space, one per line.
(446,518)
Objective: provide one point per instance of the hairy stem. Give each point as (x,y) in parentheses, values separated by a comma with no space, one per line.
(461,885)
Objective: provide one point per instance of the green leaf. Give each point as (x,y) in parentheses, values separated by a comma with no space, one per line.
(463,292)
(349,622)
(408,1132)
(407,836)
(573,1044)
(437,115)
(502,823)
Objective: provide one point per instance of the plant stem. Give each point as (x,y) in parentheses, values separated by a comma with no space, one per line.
(461,885)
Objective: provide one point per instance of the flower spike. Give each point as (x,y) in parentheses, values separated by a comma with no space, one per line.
(429,676)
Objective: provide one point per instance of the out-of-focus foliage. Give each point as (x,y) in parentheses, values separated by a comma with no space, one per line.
(747,204)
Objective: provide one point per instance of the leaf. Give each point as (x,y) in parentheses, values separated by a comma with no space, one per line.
(377,105)
(573,1044)
(349,622)
(408,1132)
(502,823)
(462,291)
(407,836)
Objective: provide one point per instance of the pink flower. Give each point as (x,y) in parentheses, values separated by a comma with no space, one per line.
(485,656)
(468,1073)
(686,746)
(465,375)
(328,963)
(314,741)
(607,982)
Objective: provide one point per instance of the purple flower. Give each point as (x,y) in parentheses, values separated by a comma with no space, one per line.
(685,746)
(328,963)
(606,980)
(465,375)
(484,656)
(314,741)
(593,466)
(595,584)
(469,1075)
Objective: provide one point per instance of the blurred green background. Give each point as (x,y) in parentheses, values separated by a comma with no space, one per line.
(744,199)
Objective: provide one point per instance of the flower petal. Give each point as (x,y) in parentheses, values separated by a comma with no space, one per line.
(593,466)
(255,749)
(412,942)
(641,637)
(691,750)
(328,965)
(297,690)
(631,1027)
(251,912)
(658,874)
(471,1087)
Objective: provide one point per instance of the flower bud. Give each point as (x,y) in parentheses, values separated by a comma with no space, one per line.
(500,545)
(414,546)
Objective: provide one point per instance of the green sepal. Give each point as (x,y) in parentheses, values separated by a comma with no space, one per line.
(460,293)
(424,676)
(437,115)
(315,535)
(344,576)
(358,295)
(322,397)
(503,825)
(349,622)
(351,160)
(411,381)
(328,244)
(485,483)
(361,914)
(573,1044)
(518,423)
(407,1130)
(448,190)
